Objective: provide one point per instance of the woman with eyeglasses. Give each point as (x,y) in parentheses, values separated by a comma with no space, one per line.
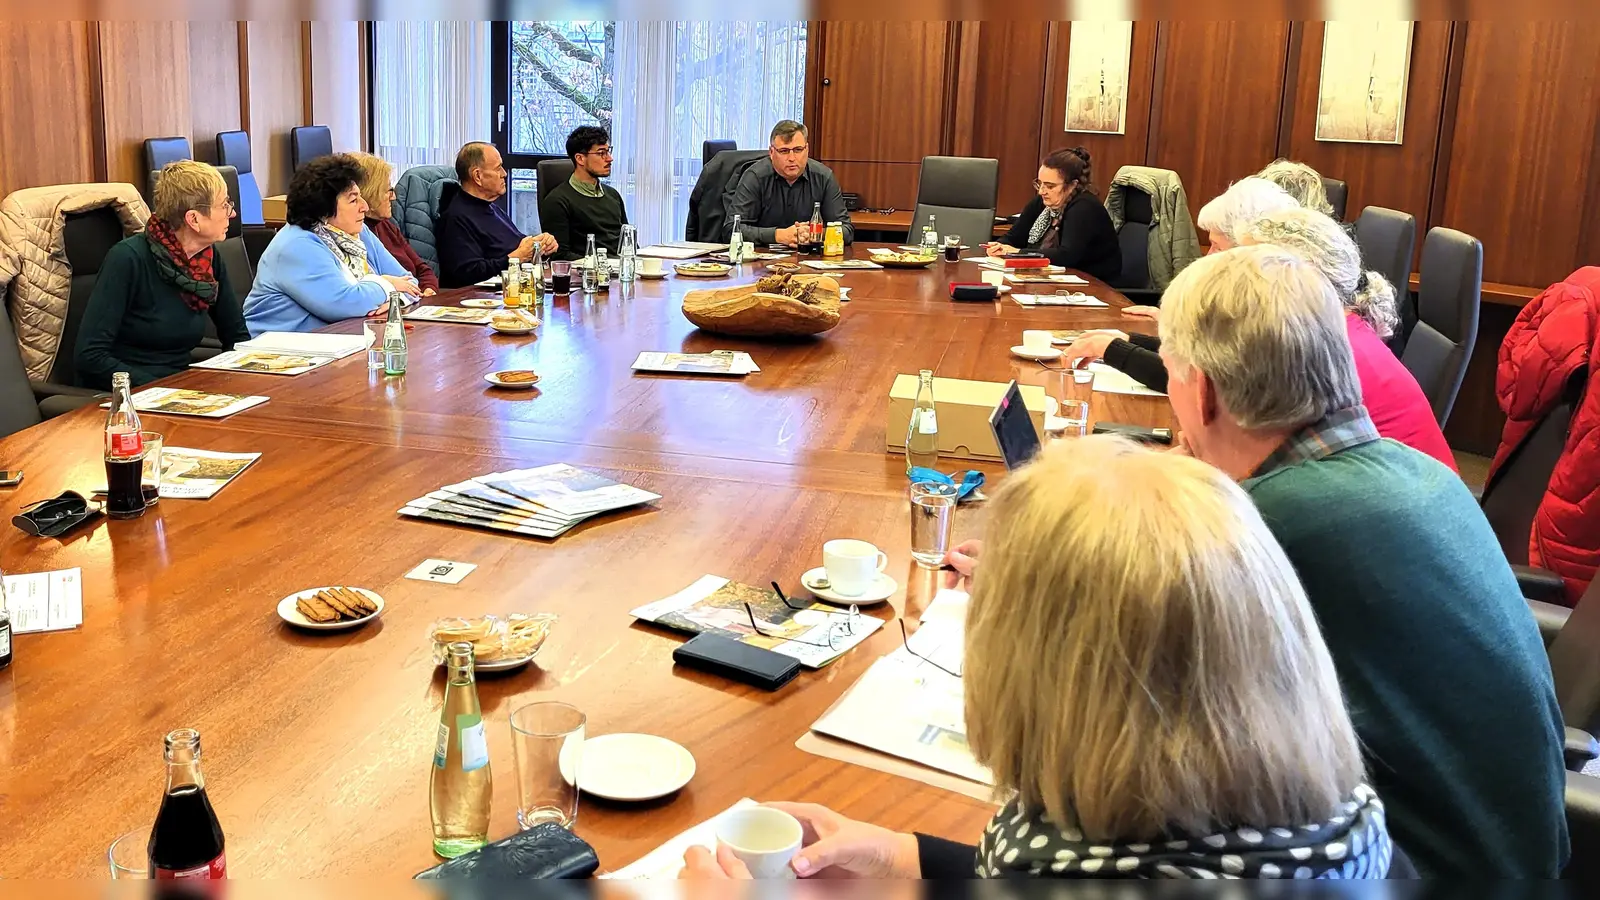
(157,289)
(1145,680)
(1066,222)
(325,265)
(377,189)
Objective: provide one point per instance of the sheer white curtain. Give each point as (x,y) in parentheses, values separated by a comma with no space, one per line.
(431,90)
(678,84)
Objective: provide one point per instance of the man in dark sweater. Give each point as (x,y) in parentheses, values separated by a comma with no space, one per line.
(1441,662)
(583,206)
(476,238)
(778,193)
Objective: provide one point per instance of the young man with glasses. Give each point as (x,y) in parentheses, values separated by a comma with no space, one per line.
(582,205)
(778,193)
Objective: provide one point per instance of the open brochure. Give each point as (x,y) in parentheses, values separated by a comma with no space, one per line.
(305,343)
(717,605)
(681,249)
(458,314)
(44,601)
(263,362)
(843,265)
(176,402)
(1059,298)
(717,362)
(198,474)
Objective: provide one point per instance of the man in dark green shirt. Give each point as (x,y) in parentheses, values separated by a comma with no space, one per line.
(583,206)
(777,194)
(1440,660)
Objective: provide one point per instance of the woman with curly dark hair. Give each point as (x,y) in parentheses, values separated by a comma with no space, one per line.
(325,265)
(1066,222)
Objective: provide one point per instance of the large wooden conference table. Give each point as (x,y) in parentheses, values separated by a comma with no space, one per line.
(317,747)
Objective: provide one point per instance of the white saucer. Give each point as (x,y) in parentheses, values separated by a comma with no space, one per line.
(877,592)
(290,613)
(630,767)
(482,303)
(493,378)
(656,277)
(1025,353)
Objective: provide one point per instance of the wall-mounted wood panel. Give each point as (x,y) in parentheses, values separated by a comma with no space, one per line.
(277,99)
(145,81)
(880,185)
(1218,90)
(47,104)
(1521,152)
(213,85)
(1107,152)
(1007,98)
(887,91)
(1397,176)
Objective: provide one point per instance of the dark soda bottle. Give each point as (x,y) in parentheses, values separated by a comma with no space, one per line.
(186,841)
(124,453)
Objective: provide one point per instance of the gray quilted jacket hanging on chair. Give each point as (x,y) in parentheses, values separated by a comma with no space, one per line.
(1173,242)
(416,207)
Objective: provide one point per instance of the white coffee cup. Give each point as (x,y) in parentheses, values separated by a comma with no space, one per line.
(650,265)
(764,839)
(1036,341)
(995,278)
(852,566)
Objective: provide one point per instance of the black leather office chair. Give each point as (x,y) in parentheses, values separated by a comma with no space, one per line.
(1513,494)
(709,149)
(1583,829)
(307,142)
(1338,195)
(1388,240)
(157,153)
(1138,218)
(1450,286)
(962,192)
(235,256)
(87,238)
(25,403)
(550,174)
(1572,641)
(708,218)
(233,149)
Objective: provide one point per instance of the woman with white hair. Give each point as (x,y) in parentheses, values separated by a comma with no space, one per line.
(1302,182)
(1146,680)
(1228,214)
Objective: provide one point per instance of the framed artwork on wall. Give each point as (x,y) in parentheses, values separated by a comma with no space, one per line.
(1097,76)
(1362,94)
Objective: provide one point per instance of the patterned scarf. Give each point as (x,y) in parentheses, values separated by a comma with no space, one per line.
(1047,219)
(191,275)
(349,251)
(1353,844)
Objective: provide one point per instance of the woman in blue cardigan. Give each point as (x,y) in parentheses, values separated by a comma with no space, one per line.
(324,265)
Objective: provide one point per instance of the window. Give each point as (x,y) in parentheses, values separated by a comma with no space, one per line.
(661,88)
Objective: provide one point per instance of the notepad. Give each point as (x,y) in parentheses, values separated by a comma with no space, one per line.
(294,343)
(1113,381)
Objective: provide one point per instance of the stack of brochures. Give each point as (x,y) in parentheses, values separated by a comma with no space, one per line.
(543,502)
(816,634)
(717,362)
(285,353)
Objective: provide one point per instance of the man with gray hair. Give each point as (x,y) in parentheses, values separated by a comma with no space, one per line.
(1439,656)
(1226,217)
(778,193)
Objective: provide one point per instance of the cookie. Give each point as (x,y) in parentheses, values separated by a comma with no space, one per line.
(356,600)
(316,611)
(332,598)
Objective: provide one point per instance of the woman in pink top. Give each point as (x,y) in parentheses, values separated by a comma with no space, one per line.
(1392,397)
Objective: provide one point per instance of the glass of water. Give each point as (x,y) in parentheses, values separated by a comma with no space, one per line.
(932,505)
(547,740)
(1074,415)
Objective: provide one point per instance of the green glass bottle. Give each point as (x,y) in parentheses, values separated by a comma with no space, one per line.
(461,785)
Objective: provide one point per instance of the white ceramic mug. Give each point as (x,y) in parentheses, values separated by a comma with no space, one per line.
(852,566)
(650,265)
(1036,341)
(995,278)
(764,839)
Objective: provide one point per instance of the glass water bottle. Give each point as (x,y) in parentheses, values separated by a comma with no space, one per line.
(460,785)
(630,254)
(922,434)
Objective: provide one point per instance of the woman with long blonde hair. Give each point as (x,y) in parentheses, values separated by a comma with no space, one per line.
(1146,682)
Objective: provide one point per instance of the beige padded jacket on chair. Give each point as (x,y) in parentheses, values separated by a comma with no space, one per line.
(34,275)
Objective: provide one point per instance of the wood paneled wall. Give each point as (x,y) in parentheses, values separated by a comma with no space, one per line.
(77,99)
(1501,140)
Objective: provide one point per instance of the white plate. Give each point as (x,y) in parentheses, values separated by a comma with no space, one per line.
(482,303)
(1025,353)
(290,613)
(631,767)
(493,378)
(500,665)
(656,276)
(877,592)
(692,273)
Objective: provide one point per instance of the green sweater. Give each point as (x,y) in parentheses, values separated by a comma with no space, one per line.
(1440,660)
(570,216)
(137,323)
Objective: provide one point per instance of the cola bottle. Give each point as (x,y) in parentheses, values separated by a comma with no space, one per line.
(186,841)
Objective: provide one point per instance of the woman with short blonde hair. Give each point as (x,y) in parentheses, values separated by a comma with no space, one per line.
(377,188)
(157,289)
(1146,681)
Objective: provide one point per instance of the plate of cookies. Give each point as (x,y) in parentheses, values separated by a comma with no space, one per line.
(703,269)
(498,643)
(330,608)
(516,379)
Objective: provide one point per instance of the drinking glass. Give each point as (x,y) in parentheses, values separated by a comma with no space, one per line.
(374,346)
(1074,416)
(547,739)
(591,277)
(932,505)
(561,276)
(150,477)
(129,855)
(952,247)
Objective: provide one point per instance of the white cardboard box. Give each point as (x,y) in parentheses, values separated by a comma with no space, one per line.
(963,408)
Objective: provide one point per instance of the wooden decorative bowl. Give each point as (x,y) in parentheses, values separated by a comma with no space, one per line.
(746,312)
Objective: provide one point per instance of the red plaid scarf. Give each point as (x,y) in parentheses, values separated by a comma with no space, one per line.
(191,275)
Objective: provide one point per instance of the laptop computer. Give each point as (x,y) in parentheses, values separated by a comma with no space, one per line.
(1013,430)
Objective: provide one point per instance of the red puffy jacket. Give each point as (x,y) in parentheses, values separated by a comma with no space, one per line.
(1555,335)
